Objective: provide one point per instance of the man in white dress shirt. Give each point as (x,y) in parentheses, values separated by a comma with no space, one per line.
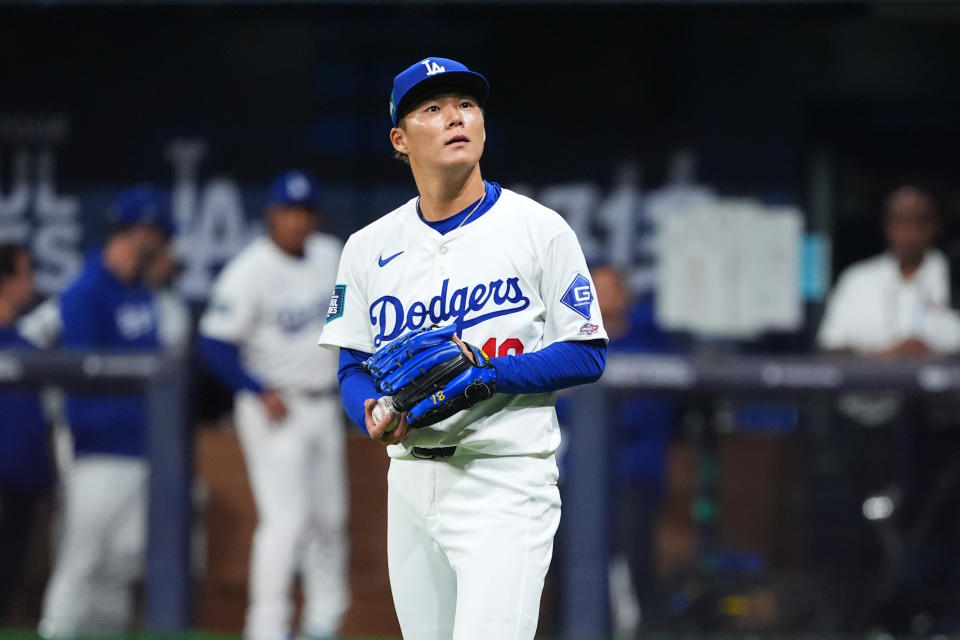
(896,303)
(893,305)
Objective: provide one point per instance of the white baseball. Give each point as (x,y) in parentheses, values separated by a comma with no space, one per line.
(382,408)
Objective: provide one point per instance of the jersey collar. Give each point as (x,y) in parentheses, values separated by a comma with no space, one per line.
(490,197)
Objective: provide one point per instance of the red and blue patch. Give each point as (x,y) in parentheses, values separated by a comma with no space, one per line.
(588,329)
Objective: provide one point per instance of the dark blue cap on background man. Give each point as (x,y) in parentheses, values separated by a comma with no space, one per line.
(142,204)
(294,188)
(419,80)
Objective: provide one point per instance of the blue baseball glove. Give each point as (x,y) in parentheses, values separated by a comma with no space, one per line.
(392,355)
(430,376)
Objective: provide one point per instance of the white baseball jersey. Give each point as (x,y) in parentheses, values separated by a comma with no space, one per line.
(514,280)
(272,305)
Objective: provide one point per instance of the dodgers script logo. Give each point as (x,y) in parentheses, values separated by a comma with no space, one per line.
(293,319)
(134,320)
(468,306)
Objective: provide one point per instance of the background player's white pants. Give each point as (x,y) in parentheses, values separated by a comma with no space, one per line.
(469,542)
(101,550)
(297,473)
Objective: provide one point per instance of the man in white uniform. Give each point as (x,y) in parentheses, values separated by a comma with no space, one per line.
(259,335)
(473,503)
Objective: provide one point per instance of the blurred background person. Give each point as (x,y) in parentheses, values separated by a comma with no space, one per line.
(26,464)
(259,335)
(43,325)
(642,423)
(896,303)
(101,551)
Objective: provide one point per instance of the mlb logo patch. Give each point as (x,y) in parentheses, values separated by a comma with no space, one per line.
(579,296)
(589,329)
(337,299)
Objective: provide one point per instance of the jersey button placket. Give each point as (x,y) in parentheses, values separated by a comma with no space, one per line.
(439,260)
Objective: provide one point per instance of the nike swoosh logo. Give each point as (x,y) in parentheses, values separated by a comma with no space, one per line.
(383,261)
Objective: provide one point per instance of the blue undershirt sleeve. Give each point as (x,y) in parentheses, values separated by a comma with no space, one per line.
(224,359)
(557,366)
(356,385)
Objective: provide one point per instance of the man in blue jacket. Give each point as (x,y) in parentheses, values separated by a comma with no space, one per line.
(642,425)
(105,490)
(26,465)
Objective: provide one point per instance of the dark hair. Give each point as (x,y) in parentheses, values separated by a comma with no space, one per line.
(916,188)
(9,252)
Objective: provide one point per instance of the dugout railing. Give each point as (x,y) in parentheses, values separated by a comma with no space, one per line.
(163,382)
(585,546)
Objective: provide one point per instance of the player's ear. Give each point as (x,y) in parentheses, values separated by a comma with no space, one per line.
(398,139)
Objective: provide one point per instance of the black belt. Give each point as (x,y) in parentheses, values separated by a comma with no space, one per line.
(432,453)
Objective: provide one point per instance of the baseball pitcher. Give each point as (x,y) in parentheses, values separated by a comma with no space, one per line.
(457,317)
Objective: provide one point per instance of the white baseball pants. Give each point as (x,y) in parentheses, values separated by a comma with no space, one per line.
(102,546)
(297,471)
(469,542)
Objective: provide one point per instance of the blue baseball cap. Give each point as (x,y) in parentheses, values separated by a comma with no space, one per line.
(419,80)
(142,204)
(294,188)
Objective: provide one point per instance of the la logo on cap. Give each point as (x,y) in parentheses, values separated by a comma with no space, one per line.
(298,186)
(432,67)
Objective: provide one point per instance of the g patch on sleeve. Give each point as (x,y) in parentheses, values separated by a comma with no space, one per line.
(337,300)
(579,296)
